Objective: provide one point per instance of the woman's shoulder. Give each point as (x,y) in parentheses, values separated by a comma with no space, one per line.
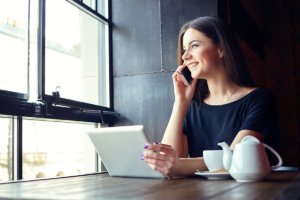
(248,96)
(259,91)
(259,94)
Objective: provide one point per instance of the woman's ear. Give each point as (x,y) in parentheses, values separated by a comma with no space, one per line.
(220,52)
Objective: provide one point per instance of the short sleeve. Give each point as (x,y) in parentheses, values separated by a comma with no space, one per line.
(260,114)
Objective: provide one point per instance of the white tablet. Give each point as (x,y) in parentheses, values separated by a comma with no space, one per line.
(120,149)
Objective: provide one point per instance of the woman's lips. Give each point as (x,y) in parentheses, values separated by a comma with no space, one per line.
(192,65)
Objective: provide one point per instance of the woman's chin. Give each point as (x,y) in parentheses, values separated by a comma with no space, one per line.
(196,75)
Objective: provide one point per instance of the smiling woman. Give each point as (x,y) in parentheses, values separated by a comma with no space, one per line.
(216,37)
(221,104)
(207,55)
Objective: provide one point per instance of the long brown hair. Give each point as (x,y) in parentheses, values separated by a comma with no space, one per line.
(234,62)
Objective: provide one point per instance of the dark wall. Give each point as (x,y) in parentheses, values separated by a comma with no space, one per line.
(144,57)
(283,53)
(273,60)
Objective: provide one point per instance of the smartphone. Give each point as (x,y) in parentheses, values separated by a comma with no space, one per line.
(186,76)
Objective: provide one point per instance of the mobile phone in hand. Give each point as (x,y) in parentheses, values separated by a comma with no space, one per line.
(186,76)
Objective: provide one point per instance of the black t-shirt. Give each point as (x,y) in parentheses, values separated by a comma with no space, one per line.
(207,125)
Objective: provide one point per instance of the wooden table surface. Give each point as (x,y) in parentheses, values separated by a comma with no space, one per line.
(102,186)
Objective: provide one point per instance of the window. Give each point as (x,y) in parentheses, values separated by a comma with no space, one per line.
(55,76)
(76,46)
(6,130)
(56,148)
(56,47)
(13,49)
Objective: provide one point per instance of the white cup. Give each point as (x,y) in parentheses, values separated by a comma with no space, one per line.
(213,159)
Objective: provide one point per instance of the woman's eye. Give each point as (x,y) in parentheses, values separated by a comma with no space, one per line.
(195,45)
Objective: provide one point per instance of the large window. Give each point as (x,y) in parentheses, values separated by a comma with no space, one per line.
(55,148)
(54,84)
(59,46)
(13,46)
(76,53)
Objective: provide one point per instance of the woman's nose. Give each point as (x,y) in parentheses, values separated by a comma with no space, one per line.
(186,55)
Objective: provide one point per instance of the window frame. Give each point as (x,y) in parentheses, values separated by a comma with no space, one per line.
(53,106)
(17,106)
(57,106)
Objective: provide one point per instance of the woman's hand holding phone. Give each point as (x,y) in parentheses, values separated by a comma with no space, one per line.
(184,85)
(186,76)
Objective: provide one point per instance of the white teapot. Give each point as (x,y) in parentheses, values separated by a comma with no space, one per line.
(248,162)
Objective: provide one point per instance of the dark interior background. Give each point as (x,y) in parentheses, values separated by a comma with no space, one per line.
(144,57)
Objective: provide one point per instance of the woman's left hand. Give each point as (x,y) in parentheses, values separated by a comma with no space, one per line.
(162,158)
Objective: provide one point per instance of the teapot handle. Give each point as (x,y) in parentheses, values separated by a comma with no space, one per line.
(276,154)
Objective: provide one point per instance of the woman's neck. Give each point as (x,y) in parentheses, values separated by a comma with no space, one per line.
(221,91)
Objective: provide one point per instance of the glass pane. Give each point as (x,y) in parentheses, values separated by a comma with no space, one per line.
(33,65)
(13,45)
(6,130)
(103,7)
(75,54)
(54,148)
(100,4)
(90,3)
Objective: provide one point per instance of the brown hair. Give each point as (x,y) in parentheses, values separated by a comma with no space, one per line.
(234,62)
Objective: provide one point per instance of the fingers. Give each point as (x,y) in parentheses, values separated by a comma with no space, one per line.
(179,68)
(160,157)
(162,148)
(177,74)
(161,168)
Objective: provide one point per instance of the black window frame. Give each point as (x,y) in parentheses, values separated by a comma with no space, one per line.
(16,104)
(53,106)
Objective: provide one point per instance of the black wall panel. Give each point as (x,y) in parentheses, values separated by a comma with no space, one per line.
(144,57)
(175,13)
(145,99)
(136,36)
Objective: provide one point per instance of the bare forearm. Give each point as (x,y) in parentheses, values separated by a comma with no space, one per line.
(188,166)
(174,133)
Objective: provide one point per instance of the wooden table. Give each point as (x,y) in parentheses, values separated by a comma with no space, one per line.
(102,186)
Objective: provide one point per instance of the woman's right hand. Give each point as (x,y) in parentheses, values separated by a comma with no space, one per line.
(183,93)
(162,158)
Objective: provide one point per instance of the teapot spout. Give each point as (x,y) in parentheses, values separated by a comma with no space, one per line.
(227,155)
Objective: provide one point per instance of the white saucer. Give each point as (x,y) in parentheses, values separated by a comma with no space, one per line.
(213,176)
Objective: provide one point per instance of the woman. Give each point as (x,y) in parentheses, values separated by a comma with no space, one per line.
(220,104)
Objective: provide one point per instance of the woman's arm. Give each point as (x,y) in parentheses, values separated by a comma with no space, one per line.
(163,158)
(166,157)
(242,134)
(174,132)
(188,166)
(183,96)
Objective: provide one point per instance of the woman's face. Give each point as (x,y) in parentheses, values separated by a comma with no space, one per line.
(201,56)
